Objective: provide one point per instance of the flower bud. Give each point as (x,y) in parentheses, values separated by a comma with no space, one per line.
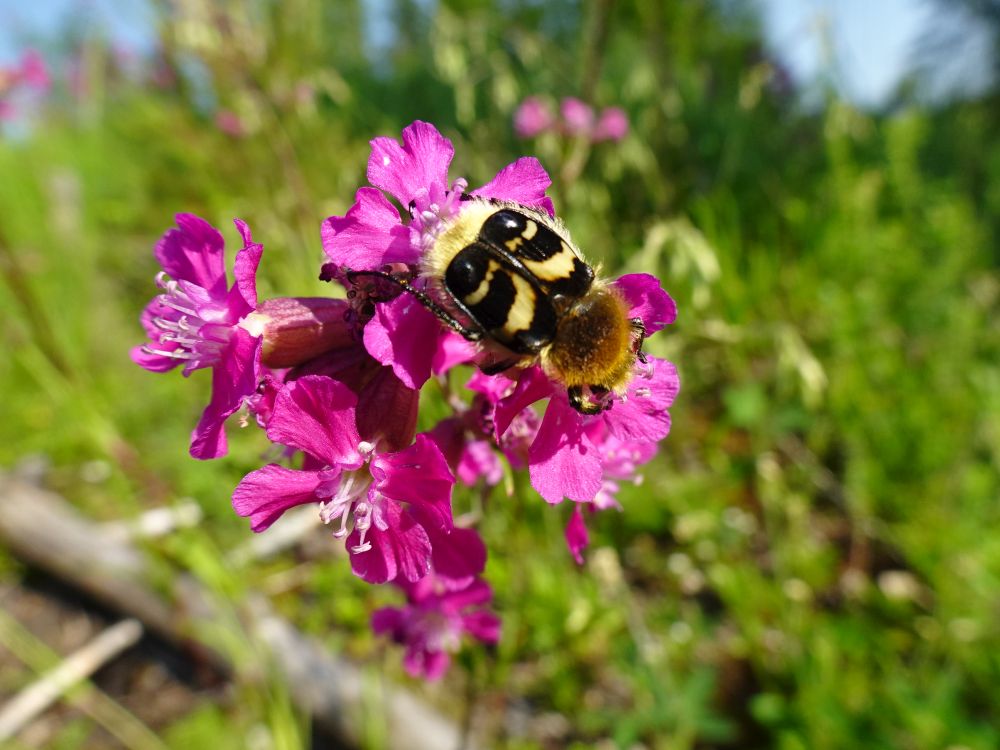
(296,329)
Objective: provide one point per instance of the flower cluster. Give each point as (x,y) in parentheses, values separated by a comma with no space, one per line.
(335,383)
(29,73)
(576,119)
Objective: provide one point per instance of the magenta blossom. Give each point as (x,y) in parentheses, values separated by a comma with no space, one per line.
(402,334)
(577,537)
(432,623)
(198,322)
(612,125)
(398,502)
(577,117)
(620,460)
(34,72)
(533,117)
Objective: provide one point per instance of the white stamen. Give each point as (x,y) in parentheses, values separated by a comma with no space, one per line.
(176,354)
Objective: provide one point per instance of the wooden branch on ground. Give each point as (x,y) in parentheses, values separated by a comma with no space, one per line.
(39,695)
(47,532)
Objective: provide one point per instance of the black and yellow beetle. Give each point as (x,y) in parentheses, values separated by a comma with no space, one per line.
(509,276)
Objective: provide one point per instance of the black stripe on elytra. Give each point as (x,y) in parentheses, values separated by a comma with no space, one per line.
(465,274)
(577,284)
(506,225)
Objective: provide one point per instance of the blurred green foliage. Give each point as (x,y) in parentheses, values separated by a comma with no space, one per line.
(812,561)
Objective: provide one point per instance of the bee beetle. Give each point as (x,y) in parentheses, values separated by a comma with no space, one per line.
(508,274)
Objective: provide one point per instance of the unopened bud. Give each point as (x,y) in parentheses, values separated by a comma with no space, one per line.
(297,329)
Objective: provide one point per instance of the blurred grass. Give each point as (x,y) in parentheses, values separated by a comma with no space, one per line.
(810,562)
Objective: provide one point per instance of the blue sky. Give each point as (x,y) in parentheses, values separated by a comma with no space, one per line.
(863,46)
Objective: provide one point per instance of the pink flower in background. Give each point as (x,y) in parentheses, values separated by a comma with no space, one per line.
(576,534)
(197,322)
(620,460)
(30,73)
(34,72)
(577,117)
(434,621)
(230,123)
(533,117)
(612,125)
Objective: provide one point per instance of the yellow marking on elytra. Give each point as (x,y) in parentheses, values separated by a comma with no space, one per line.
(522,312)
(530,230)
(513,244)
(484,286)
(559,266)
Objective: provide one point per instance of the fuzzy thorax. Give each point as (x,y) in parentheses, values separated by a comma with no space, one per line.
(594,343)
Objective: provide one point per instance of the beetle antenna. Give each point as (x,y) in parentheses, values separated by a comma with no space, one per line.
(469,334)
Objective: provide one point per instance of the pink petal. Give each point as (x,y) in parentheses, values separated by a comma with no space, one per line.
(403,549)
(523,181)
(458,555)
(643,415)
(532,386)
(577,538)
(418,165)
(194,252)
(316,414)
(449,436)
(431,665)
(647,300)
(398,336)
(478,459)
(369,236)
(390,620)
(243,296)
(233,379)
(451,350)
(387,410)
(265,494)
(483,626)
(475,593)
(155,362)
(418,475)
(563,461)
(493,387)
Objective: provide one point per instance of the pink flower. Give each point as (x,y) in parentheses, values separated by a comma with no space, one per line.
(612,125)
(533,117)
(620,460)
(577,537)
(433,622)
(402,334)
(198,322)
(230,123)
(398,503)
(577,117)
(33,71)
